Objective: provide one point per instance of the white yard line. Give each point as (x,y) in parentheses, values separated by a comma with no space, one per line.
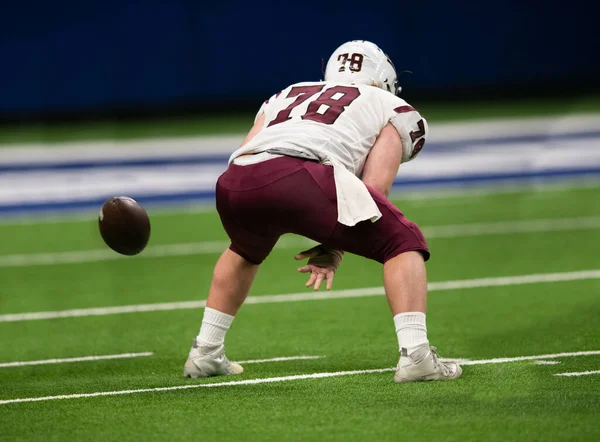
(160,251)
(490,190)
(190,386)
(139,355)
(212,247)
(80,359)
(529,358)
(512,227)
(578,373)
(280,359)
(307,296)
(278,379)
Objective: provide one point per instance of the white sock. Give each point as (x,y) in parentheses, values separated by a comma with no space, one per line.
(214,326)
(411,330)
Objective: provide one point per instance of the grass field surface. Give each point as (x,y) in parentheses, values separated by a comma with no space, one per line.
(116,374)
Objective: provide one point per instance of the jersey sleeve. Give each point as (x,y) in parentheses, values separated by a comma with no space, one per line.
(413,130)
(265,106)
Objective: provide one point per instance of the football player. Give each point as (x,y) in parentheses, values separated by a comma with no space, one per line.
(319,162)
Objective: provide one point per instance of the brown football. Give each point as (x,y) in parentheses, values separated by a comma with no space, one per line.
(124,225)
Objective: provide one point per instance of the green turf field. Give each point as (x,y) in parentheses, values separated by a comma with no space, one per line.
(531,232)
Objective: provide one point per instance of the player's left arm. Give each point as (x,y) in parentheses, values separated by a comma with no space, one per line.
(383,161)
(399,141)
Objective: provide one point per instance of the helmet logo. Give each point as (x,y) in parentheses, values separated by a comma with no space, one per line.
(356,62)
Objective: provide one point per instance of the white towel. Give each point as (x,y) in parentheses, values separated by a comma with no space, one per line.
(354,202)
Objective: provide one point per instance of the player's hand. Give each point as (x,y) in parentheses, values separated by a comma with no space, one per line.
(322,264)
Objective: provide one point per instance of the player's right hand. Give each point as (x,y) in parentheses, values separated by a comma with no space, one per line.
(322,264)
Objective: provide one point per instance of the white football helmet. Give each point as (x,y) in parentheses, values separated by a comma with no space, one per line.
(362,62)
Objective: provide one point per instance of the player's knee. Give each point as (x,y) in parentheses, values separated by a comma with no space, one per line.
(240,258)
(415,253)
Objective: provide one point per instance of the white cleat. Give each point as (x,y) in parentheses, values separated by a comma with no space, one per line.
(208,361)
(423,364)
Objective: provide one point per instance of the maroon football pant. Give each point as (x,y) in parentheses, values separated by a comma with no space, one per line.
(260,202)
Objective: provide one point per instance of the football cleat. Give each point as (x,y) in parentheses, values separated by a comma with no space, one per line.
(423,364)
(205,361)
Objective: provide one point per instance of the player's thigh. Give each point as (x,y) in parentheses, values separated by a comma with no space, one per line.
(384,239)
(256,215)
(250,244)
(310,202)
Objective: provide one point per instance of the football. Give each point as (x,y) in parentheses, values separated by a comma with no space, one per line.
(124,225)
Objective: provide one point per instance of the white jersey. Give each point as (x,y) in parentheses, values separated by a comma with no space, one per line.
(335,122)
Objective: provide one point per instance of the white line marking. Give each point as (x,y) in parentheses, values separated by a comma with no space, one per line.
(189,386)
(278,379)
(80,359)
(578,373)
(510,227)
(160,251)
(490,190)
(280,359)
(307,296)
(138,355)
(547,362)
(529,358)
(212,247)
